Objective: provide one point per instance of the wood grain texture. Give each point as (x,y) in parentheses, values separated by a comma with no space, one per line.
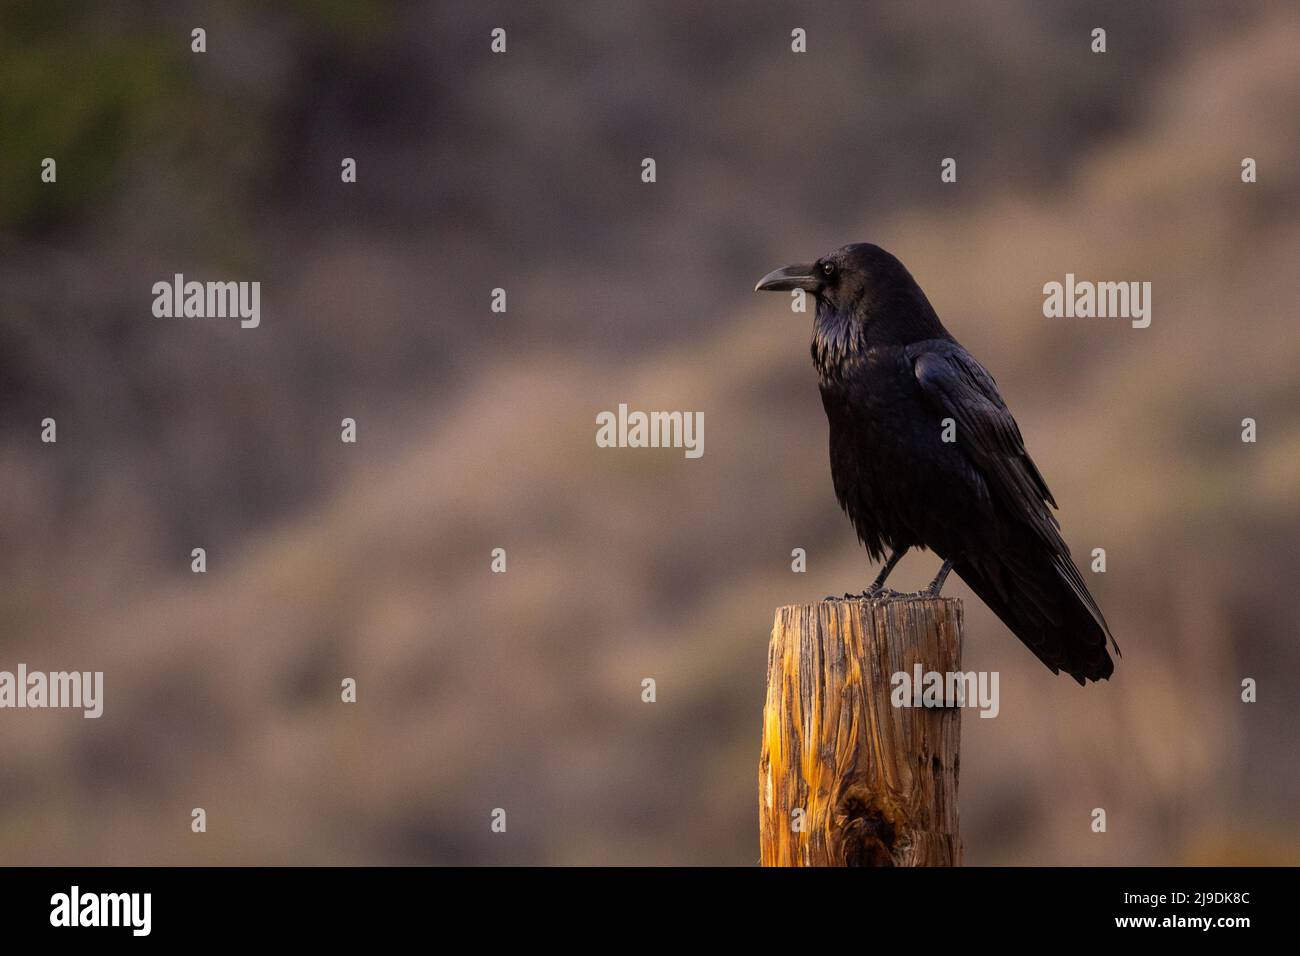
(877,784)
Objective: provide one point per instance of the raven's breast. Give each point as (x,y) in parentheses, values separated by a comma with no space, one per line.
(899,482)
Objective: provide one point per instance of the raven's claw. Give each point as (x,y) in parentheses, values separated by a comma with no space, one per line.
(870,594)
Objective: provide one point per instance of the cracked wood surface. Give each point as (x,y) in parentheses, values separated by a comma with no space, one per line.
(876,784)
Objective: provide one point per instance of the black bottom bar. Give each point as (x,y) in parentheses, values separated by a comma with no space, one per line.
(941,906)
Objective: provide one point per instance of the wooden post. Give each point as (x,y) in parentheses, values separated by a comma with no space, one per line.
(876,784)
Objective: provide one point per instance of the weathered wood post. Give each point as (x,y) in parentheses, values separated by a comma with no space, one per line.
(875,784)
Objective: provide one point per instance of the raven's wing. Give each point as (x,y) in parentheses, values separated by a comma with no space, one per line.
(956,386)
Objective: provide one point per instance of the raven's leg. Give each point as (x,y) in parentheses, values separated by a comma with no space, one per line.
(878,585)
(937,584)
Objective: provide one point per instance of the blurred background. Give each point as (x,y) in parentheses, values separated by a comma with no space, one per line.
(476,430)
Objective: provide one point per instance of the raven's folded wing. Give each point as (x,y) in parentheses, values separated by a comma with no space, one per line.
(957,387)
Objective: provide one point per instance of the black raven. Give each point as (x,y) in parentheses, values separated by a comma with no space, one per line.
(925,454)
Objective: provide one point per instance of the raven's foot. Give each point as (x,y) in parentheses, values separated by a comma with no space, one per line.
(870,594)
(890,594)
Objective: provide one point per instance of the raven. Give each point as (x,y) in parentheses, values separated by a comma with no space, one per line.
(925,454)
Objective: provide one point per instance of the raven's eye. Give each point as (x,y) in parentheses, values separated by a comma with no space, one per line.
(828,269)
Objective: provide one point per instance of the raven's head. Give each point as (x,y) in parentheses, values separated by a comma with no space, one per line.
(864,296)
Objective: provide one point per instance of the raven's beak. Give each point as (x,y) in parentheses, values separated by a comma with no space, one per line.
(791,277)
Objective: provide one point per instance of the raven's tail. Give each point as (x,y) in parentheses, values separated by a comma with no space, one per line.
(1041,597)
